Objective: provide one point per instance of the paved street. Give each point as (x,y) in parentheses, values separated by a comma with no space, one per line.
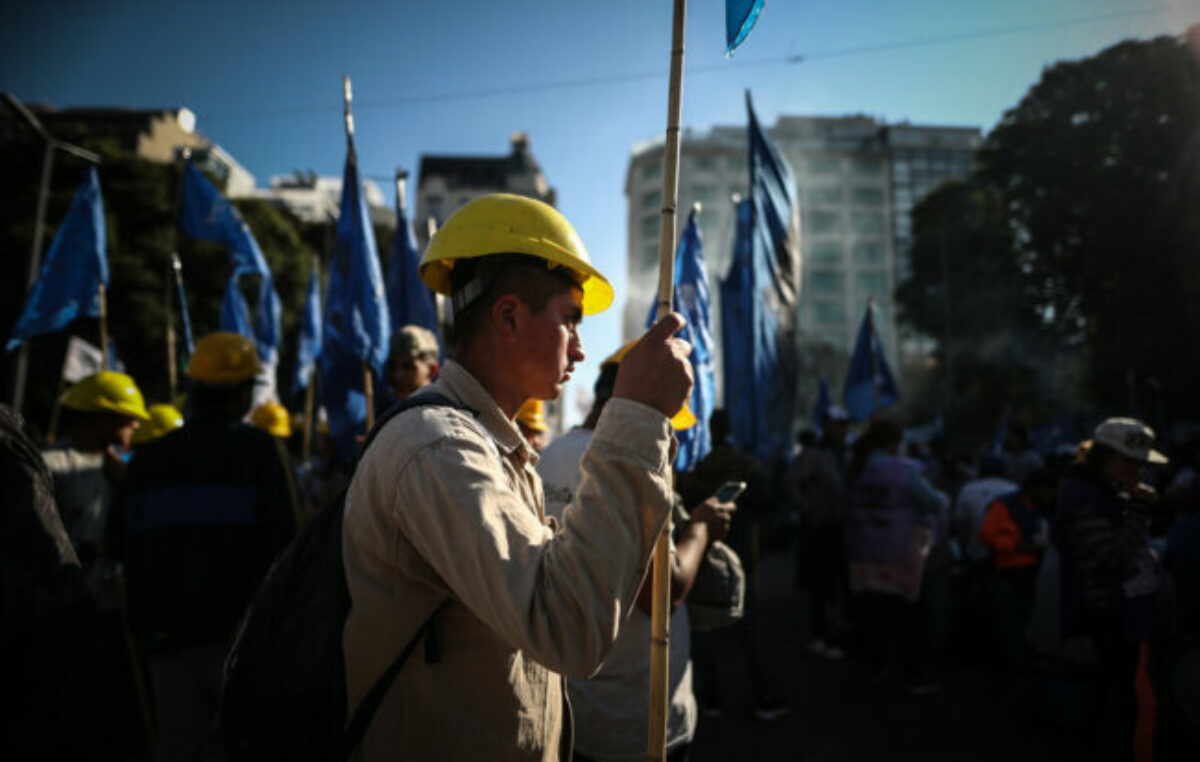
(841,714)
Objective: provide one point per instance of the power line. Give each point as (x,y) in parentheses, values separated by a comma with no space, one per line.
(401,101)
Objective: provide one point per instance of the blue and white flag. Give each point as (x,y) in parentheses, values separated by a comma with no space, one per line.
(205,214)
(357,325)
(310,331)
(869,386)
(740,16)
(69,284)
(410,301)
(692,300)
(759,303)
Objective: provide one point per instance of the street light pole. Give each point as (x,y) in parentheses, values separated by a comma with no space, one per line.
(39,225)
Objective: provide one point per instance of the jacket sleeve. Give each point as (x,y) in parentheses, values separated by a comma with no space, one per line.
(559,596)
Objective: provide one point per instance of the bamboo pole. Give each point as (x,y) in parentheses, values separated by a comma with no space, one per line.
(309,395)
(660,644)
(101,296)
(369,393)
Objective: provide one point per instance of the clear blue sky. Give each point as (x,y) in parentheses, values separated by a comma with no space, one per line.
(444,77)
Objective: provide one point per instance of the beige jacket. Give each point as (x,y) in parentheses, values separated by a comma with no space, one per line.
(446,505)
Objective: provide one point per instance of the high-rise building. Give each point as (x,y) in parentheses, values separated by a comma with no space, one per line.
(858,180)
(448,182)
(313,198)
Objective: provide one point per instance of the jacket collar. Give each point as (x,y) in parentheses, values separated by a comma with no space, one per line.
(456,382)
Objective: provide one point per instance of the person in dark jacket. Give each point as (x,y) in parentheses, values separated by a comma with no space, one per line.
(1109,574)
(203,512)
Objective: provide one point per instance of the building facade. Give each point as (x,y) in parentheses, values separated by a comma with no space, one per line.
(314,198)
(857,182)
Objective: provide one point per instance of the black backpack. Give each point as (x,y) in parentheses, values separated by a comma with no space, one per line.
(284,691)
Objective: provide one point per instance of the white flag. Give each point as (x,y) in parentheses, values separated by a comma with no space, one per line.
(82,360)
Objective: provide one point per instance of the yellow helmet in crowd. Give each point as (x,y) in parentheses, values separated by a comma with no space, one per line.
(106,392)
(163,419)
(272,418)
(503,223)
(532,415)
(684,419)
(223,358)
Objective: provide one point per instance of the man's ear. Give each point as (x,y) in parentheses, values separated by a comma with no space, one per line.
(508,313)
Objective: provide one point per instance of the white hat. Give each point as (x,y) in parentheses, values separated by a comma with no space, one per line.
(1131,438)
(837,414)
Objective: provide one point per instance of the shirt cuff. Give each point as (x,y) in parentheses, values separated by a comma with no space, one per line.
(637,428)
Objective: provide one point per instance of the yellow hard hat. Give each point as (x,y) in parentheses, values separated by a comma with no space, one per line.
(503,223)
(684,419)
(163,419)
(272,418)
(106,392)
(532,415)
(223,358)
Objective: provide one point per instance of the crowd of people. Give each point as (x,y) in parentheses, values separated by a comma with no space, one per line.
(133,544)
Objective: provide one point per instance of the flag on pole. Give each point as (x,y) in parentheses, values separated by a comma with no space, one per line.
(759,302)
(357,326)
(82,360)
(869,386)
(69,283)
(310,331)
(740,16)
(692,300)
(410,301)
(205,214)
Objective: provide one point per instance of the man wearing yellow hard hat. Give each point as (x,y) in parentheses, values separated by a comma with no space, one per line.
(163,420)
(205,509)
(272,418)
(446,508)
(100,416)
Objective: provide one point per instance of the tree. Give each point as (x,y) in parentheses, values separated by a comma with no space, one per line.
(1076,241)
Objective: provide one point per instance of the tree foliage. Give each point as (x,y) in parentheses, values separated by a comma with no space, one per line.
(1078,237)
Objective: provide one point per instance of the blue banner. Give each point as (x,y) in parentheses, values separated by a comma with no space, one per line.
(357,326)
(869,386)
(205,214)
(692,300)
(410,301)
(740,16)
(759,300)
(310,331)
(69,283)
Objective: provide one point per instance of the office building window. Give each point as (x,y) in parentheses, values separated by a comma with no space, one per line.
(873,283)
(653,169)
(704,163)
(868,196)
(705,194)
(867,223)
(736,163)
(827,283)
(868,166)
(650,225)
(868,253)
(652,200)
(823,222)
(829,312)
(824,166)
(826,253)
(829,195)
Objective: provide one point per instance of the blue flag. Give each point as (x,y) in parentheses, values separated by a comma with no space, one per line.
(823,406)
(205,214)
(692,300)
(740,16)
(759,302)
(410,301)
(357,326)
(869,386)
(310,331)
(75,267)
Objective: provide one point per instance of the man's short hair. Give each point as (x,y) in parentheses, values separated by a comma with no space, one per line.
(486,279)
(415,342)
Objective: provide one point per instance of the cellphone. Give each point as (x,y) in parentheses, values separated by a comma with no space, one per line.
(730,491)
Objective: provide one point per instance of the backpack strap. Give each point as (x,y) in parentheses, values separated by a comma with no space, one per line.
(365,712)
(370,703)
